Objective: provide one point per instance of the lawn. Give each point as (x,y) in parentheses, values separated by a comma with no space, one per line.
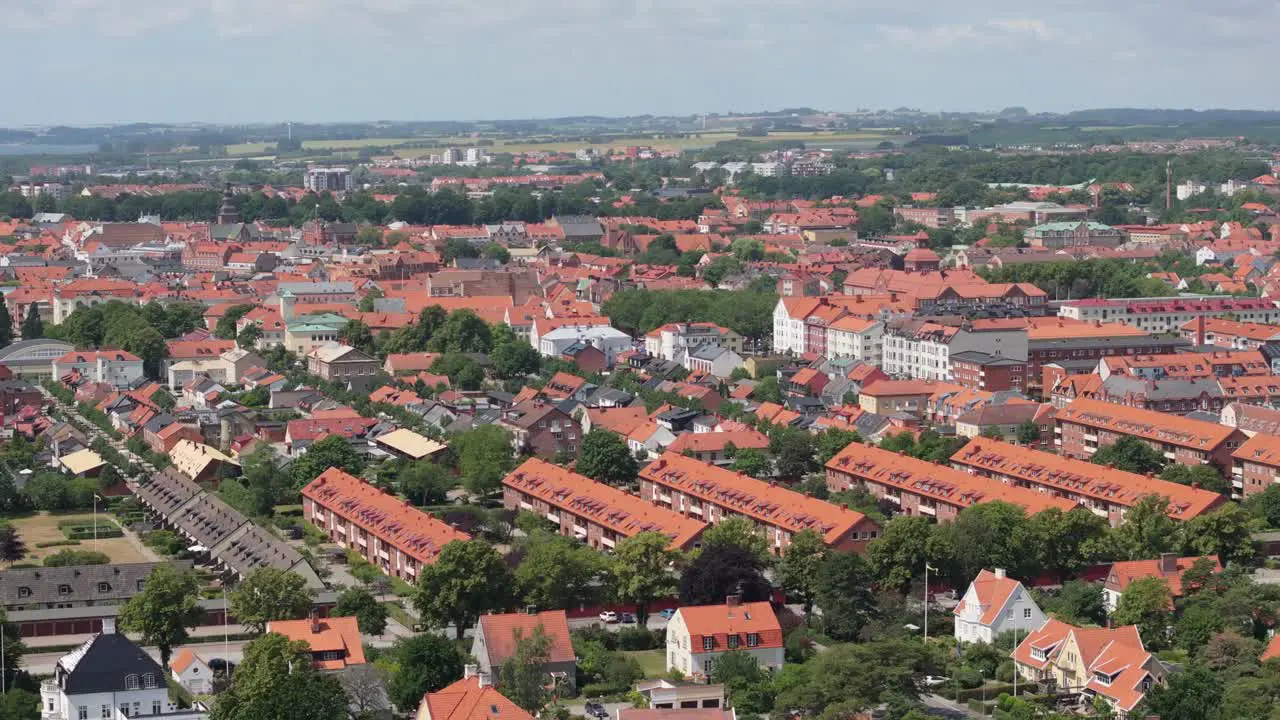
(44,528)
(653,662)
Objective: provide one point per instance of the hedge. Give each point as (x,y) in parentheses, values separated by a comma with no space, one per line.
(980,707)
(991,692)
(57,543)
(86,532)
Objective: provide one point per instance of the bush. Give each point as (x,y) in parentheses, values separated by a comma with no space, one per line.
(82,530)
(165,542)
(593,633)
(967,678)
(638,638)
(57,543)
(67,558)
(979,707)
(991,692)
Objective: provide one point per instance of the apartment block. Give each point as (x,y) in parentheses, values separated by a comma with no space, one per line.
(1086,425)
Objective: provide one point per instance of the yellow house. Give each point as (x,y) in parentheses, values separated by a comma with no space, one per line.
(1110,662)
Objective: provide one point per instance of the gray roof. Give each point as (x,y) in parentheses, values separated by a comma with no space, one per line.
(315,288)
(1167,389)
(102,664)
(708,352)
(29,587)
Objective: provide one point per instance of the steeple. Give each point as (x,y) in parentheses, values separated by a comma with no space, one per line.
(227,214)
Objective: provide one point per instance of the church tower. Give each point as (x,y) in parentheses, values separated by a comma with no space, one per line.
(227,214)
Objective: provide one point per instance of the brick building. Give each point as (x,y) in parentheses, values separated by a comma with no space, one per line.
(714,494)
(978,370)
(1086,425)
(598,514)
(1257,465)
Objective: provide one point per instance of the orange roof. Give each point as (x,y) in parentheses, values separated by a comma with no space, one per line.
(500,635)
(1247,330)
(1272,650)
(761,501)
(1115,652)
(1147,424)
(954,487)
(467,699)
(717,441)
(1125,572)
(395,521)
(604,505)
(898,388)
(621,420)
(722,621)
(1261,449)
(332,634)
(183,660)
(992,593)
(1070,476)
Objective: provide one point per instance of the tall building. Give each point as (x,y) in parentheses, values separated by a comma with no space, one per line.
(328,179)
(228,214)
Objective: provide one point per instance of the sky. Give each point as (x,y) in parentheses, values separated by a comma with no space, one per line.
(242,61)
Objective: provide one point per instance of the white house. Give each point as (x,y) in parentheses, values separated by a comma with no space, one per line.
(604,338)
(995,603)
(788,326)
(697,636)
(857,338)
(714,360)
(114,367)
(191,672)
(109,677)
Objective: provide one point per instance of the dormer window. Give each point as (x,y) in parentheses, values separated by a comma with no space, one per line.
(131,682)
(149,680)
(1103,678)
(24,591)
(64,589)
(708,644)
(104,587)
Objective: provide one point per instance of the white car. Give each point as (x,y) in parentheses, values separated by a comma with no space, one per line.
(609,616)
(931,681)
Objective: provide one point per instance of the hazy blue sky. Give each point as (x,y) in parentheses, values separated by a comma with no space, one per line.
(88,61)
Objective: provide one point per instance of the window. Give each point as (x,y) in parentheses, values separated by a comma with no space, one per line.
(104,587)
(1026,613)
(106,711)
(708,644)
(155,707)
(733,642)
(753,639)
(124,709)
(64,589)
(148,680)
(83,711)
(24,592)
(130,682)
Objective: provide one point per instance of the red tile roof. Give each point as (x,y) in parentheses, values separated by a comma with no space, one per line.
(992,593)
(1147,424)
(500,635)
(467,699)
(723,621)
(717,441)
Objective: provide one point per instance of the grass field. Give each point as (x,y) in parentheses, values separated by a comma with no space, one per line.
(653,662)
(698,140)
(44,528)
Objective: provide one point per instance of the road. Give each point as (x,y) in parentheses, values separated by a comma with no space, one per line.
(942,707)
(73,412)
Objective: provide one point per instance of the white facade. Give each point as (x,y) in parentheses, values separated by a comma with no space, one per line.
(788,332)
(722,365)
(994,604)
(697,662)
(1189,188)
(866,345)
(607,340)
(909,357)
(114,367)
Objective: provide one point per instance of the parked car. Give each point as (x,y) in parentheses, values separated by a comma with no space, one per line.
(933,681)
(627,618)
(596,710)
(667,614)
(609,616)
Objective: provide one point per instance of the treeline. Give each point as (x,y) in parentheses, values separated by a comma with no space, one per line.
(1073,279)
(747,312)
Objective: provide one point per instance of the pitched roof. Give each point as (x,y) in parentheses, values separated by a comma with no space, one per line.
(717,441)
(500,632)
(103,662)
(330,634)
(1147,424)
(724,620)
(1069,475)
(467,699)
(184,659)
(410,443)
(1125,572)
(992,593)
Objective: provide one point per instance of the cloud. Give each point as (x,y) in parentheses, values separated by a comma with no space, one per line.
(943,37)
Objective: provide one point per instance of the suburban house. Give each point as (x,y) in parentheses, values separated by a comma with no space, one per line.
(697,636)
(201,462)
(335,641)
(993,604)
(496,637)
(542,428)
(109,676)
(344,365)
(191,672)
(1091,662)
(1168,567)
(471,698)
(117,368)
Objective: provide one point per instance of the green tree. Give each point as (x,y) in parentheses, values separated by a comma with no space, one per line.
(738,532)
(18,704)
(794,452)
(642,571)
(332,451)
(899,555)
(277,680)
(557,572)
(370,615)
(767,390)
(1063,542)
(1226,532)
(248,337)
(1265,506)
(1146,603)
(1193,694)
(226,326)
(485,457)
(1131,455)
(268,594)
(467,580)
(719,571)
(6,325)
(463,332)
(605,457)
(356,334)
(166,607)
(12,547)
(750,461)
(1028,433)
(424,482)
(523,675)
(14,649)
(32,325)
(424,663)
(801,566)
(1147,531)
(514,360)
(843,591)
(71,557)
(494,251)
(1079,603)
(849,678)
(987,535)
(746,684)
(1202,476)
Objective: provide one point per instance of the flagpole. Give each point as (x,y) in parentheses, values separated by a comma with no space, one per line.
(927,568)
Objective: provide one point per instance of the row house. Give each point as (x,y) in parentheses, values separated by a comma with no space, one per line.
(1086,425)
(718,448)
(918,487)
(1226,363)
(89,292)
(1105,491)
(930,217)
(1229,334)
(1166,315)
(598,514)
(1257,465)
(382,528)
(799,321)
(979,370)
(714,494)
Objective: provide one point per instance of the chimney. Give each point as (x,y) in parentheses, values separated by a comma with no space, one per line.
(470,670)
(108,626)
(482,679)
(315,622)
(733,600)
(1168,562)
(1000,575)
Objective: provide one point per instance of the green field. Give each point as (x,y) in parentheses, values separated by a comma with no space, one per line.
(520,145)
(652,662)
